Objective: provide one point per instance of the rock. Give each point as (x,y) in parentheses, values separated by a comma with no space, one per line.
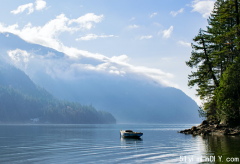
(234,133)
(204,122)
(226,131)
(223,123)
(216,126)
(194,128)
(206,132)
(189,132)
(210,122)
(196,133)
(206,127)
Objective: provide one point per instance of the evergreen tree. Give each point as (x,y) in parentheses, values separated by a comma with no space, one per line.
(215,55)
(205,76)
(228,94)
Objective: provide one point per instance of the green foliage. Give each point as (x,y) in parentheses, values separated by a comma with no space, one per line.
(16,107)
(21,100)
(228,94)
(201,57)
(202,113)
(215,57)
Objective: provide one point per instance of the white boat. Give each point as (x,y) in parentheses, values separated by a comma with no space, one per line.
(130,134)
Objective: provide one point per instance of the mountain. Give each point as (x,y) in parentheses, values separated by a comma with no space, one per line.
(129,98)
(21,101)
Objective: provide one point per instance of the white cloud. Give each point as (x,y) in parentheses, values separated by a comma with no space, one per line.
(86,20)
(131,19)
(40,4)
(94,36)
(47,34)
(184,43)
(167,33)
(116,72)
(121,58)
(50,55)
(175,13)
(70,64)
(146,37)
(19,56)
(153,14)
(204,7)
(133,26)
(22,8)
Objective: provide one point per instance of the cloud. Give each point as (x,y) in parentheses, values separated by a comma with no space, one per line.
(90,17)
(204,7)
(175,13)
(22,8)
(86,20)
(40,4)
(47,35)
(121,58)
(19,56)
(94,36)
(186,44)
(153,14)
(146,37)
(133,26)
(71,64)
(131,19)
(167,33)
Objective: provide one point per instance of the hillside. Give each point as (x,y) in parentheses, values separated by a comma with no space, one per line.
(21,101)
(130,98)
(130,101)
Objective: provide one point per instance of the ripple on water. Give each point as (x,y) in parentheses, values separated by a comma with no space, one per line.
(97,144)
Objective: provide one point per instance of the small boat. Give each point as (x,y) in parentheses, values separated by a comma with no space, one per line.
(130,134)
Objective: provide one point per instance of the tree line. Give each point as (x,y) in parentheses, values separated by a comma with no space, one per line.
(215,57)
(21,101)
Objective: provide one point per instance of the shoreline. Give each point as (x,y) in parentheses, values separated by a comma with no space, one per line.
(210,128)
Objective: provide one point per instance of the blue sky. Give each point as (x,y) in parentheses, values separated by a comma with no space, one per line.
(151,39)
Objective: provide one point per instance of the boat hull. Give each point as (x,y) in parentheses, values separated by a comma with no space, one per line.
(130,134)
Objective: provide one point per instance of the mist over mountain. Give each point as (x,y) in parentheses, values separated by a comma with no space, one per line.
(21,101)
(130,97)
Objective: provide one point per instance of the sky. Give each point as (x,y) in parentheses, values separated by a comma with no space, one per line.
(151,39)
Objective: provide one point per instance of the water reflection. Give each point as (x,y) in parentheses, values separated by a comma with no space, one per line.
(101,144)
(225,149)
(131,142)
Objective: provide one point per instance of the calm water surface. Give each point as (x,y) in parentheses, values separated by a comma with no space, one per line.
(48,144)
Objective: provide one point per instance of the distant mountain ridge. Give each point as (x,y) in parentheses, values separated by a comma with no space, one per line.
(129,100)
(21,101)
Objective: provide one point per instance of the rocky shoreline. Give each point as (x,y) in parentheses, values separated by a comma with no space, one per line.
(206,128)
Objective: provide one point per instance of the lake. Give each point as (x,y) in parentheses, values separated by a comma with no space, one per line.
(91,143)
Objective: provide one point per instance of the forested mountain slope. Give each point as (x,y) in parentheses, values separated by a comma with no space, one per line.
(21,101)
(131,99)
